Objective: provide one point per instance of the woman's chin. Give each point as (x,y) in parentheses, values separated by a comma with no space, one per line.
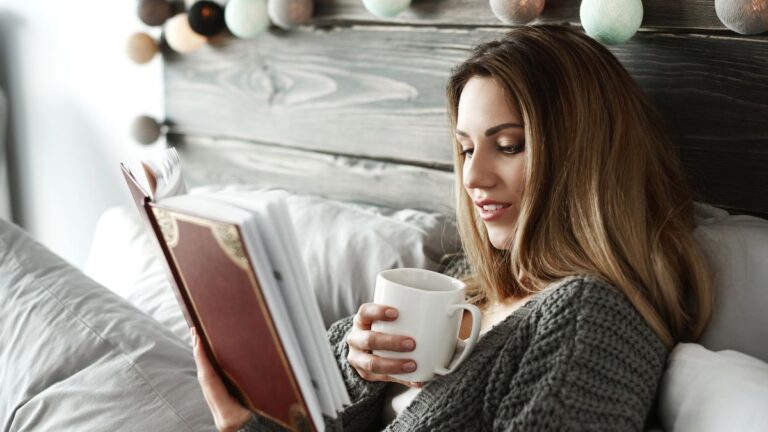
(501,241)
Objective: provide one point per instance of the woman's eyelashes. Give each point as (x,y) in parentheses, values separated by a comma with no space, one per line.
(506,149)
(512,149)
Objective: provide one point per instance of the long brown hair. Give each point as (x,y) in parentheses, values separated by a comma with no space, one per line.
(604,195)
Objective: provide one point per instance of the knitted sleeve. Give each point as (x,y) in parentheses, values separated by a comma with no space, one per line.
(367,397)
(365,412)
(593,364)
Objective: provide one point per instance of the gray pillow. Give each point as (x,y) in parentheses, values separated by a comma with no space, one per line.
(74,356)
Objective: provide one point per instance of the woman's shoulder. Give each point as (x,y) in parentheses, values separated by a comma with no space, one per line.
(578,291)
(590,303)
(598,317)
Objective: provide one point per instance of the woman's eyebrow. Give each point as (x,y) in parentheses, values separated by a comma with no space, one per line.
(492,130)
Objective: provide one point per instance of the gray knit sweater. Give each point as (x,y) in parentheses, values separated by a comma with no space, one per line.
(577,356)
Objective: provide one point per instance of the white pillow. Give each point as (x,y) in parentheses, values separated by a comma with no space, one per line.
(344,246)
(737,247)
(125,259)
(720,391)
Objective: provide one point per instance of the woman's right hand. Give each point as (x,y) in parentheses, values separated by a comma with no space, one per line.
(362,340)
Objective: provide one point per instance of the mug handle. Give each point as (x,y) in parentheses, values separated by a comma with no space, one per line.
(467,346)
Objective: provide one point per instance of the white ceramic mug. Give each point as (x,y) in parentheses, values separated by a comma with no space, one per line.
(430,306)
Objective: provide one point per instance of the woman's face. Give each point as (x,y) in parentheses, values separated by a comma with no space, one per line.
(492,139)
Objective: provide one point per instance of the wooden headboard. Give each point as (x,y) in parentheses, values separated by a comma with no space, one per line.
(353,107)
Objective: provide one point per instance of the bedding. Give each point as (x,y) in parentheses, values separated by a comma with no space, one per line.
(75,356)
(737,247)
(704,390)
(79,355)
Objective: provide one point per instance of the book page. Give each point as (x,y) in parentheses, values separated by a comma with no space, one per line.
(282,244)
(160,175)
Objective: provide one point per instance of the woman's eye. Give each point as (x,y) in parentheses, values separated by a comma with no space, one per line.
(512,149)
(467,153)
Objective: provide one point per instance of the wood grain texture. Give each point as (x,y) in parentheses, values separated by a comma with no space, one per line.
(665,14)
(377,92)
(211,161)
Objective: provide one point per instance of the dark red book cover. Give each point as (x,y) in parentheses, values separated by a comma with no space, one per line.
(221,296)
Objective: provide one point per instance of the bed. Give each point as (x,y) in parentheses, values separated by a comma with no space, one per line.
(107,349)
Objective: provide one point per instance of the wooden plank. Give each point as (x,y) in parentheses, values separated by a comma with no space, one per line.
(370,92)
(211,161)
(676,14)
(378,92)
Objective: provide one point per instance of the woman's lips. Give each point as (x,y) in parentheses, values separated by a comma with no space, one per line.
(491,215)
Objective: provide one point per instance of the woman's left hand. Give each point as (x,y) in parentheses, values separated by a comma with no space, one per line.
(228,414)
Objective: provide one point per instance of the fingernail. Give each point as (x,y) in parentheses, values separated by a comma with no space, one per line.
(409,367)
(194,335)
(391,313)
(409,344)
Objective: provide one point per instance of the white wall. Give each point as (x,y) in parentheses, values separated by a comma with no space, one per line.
(73,95)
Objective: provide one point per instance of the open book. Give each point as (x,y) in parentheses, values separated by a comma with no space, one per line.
(237,273)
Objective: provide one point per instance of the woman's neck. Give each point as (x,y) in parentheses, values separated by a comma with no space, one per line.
(493,313)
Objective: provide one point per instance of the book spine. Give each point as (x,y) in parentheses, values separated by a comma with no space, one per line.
(173,274)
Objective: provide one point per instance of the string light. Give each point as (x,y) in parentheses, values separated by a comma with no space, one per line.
(611,21)
(747,17)
(517,11)
(386,8)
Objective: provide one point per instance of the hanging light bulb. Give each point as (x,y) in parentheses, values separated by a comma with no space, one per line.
(517,11)
(141,47)
(154,12)
(206,18)
(246,18)
(748,17)
(611,21)
(146,129)
(386,8)
(180,36)
(288,14)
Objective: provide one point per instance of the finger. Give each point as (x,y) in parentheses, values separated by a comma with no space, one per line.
(214,390)
(370,312)
(407,383)
(370,363)
(370,340)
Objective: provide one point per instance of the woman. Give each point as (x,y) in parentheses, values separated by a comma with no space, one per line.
(577,223)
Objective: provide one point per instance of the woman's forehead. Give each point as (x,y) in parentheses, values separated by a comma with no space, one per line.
(484,101)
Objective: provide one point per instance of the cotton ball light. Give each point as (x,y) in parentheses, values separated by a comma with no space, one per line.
(141,47)
(748,17)
(206,17)
(386,8)
(611,21)
(246,18)
(288,14)
(145,129)
(154,12)
(517,11)
(180,36)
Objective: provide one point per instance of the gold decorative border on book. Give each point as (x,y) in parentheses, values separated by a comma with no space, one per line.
(229,241)
(168,226)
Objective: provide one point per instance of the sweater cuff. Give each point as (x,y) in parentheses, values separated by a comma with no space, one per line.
(365,411)
(358,388)
(259,424)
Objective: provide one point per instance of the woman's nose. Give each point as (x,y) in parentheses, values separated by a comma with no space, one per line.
(478,172)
